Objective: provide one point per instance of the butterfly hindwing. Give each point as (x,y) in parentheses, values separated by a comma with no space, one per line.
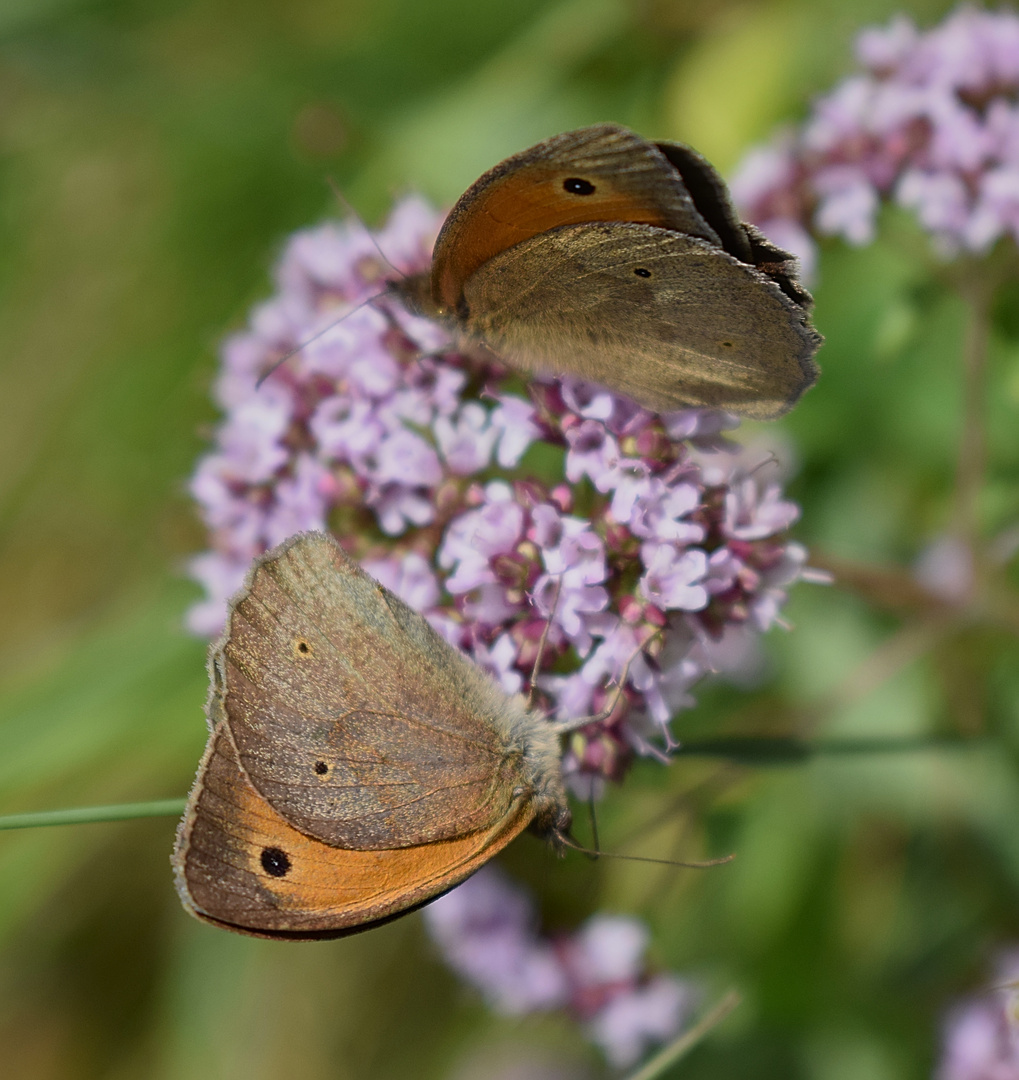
(239,864)
(668,319)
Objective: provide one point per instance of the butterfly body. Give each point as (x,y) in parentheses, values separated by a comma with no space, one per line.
(358,765)
(602,255)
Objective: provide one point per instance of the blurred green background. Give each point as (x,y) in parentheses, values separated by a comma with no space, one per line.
(153,156)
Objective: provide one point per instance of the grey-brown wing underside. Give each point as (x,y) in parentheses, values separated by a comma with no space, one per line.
(351,716)
(667,319)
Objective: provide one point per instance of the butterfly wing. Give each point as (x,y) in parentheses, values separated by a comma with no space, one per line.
(352,718)
(600,173)
(239,864)
(670,320)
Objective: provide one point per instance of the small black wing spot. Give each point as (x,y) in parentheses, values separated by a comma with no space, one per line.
(641,271)
(575,185)
(275,862)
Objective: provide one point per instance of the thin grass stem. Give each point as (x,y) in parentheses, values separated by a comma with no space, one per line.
(679,1048)
(88,815)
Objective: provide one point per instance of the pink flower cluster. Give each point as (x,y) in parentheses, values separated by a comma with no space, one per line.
(644,544)
(982,1034)
(486,932)
(931,123)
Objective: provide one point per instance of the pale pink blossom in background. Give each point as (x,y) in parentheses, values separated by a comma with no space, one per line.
(945,568)
(931,123)
(487,932)
(981,1040)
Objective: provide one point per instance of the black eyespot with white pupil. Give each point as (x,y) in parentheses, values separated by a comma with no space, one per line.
(641,271)
(577,186)
(275,862)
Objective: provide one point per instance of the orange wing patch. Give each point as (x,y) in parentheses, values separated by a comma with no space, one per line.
(527,202)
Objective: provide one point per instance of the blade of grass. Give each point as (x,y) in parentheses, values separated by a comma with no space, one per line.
(85,815)
(760,751)
(680,1047)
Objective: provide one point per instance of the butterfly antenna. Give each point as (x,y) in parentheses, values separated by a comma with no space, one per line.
(543,641)
(770,459)
(569,842)
(345,202)
(314,337)
(582,721)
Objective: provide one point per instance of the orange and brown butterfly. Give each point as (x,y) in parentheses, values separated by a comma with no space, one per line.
(621,261)
(358,765)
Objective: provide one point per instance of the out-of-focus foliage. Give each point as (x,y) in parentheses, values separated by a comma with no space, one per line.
(153,155)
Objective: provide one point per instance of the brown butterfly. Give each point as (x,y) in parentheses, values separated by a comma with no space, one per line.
(358,765)
(601,255)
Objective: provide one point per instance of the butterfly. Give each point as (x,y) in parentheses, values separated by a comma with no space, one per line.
(358,765)
(601,255)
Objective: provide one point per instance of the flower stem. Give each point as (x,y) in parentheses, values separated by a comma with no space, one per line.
(894,589)
(973,443)
(789,750)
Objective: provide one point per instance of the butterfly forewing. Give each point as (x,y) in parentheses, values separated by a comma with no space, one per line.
(351,716)
(600,173)
(712,198)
